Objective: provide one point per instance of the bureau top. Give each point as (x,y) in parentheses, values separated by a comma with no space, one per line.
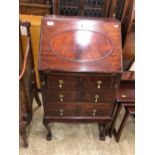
(73,44)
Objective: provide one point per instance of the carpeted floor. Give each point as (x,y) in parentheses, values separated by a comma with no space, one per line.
(76,139)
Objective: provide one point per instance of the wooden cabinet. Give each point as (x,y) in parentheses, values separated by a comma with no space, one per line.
(80,65)
(91,8)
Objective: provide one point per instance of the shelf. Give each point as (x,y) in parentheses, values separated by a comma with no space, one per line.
(35,5)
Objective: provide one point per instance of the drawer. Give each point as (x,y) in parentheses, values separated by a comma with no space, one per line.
(80,96)
(61,96)
(97,82)
(81,110)
(98,96)
(63,82)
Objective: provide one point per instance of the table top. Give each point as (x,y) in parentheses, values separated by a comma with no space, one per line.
(126,92)
(74,44)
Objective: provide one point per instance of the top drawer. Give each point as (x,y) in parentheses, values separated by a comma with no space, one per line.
(97,82)
(69,81)
(63,82)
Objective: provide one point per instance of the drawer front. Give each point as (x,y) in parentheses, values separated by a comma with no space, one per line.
(63,82)
(81,88)
(61,96)
(80,96)
(97,83)
(98,96)
(81,110)
(69,81)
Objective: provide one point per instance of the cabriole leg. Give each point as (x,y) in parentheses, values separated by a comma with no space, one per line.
(49,134)
(24,136)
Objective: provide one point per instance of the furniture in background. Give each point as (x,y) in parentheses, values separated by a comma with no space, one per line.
(35,7)
(35,22)
(27,84)
(124,10)
(125,98)
(91,8)
(128,36)
(80,66)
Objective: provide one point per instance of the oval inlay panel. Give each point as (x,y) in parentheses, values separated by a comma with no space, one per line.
(81,45)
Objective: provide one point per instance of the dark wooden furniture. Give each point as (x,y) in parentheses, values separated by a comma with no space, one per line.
(128,111)
(128,21)
(80,65)
(128,36)
(118,8)
(27,84)
(124,10)
(91,8)
(125,98)
(24,106)
(35,7)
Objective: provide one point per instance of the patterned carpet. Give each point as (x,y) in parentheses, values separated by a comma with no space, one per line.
(76,139)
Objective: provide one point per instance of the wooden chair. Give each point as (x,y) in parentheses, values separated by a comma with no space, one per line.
(124,11)
(128,35)
(27,84)
(125,98)
(128,20)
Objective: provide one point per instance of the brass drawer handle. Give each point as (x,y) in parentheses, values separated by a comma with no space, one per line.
(61,96)
(60,83)
(94,112)
(96,98)
(99,83)
(123,96)
(61,112)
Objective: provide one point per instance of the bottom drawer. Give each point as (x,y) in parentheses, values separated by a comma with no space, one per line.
(81,110)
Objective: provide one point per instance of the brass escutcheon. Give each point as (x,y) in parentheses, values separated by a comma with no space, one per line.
(94,112)
(61,97)
(61,112)
(96,98)
(61,83)
(99,82)
(124,96)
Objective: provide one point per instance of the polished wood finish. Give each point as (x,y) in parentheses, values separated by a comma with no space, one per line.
(129,51)
(128,20)
(112,8)
(80,67)
(124,10)
(89,30)
(27,84)
(128,36)
(125,98)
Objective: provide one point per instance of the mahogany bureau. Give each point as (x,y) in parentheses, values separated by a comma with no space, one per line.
(80,65)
